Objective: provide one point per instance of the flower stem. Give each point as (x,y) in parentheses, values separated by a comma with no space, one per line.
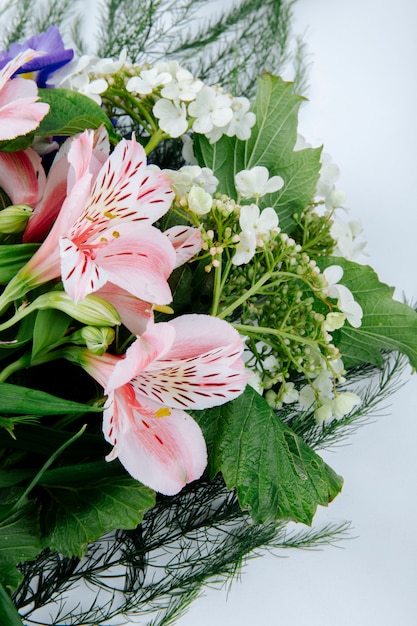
(245,296)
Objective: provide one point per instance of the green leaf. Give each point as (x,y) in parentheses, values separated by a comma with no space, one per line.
(8,612)
(71,113)
(19,537)
(386,324)
(82,509)
(276,474)
(13,258)
(50,327)
(271,144)
(23,400)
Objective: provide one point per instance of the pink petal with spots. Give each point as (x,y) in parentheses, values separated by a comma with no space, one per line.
(155,342)
(22,176)
(202,368)
(139,264)
(134,313)
(126,189)
(164,453)
(80,274)
(187,242)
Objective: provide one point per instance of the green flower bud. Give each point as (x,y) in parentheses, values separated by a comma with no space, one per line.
(13,219)
(93,310)
(96,339)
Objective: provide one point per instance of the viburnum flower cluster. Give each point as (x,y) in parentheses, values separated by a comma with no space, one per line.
(111,233)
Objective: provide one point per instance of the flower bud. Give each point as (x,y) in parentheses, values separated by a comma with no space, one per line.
(13,219)
(96,339)
(199,201)
(92,310)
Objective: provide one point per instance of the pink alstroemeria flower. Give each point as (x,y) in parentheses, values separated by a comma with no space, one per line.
(103,232)
(187,242)
(191,362)
(20,112)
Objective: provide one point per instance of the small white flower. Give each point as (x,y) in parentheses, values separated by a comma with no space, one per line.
(243,120)
(183,86)
(290,393)
(199,201)
(211,109)
(251,219)
(147,81)
(172,117)
(343,403)
(255,183)
(92,89)
(346,234)
(334,320)
(245,249)
(110,66)
(345,300)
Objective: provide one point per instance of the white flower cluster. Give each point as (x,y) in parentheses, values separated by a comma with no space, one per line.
(256,226)
(89,75)
(346,234)
(182,102)
(321,393)
(194,187)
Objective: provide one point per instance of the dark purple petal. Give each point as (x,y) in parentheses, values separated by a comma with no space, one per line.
(55,55)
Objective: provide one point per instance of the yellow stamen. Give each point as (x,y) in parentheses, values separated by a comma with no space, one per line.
(115,234)
(111,216)
(163,412)
(163,308)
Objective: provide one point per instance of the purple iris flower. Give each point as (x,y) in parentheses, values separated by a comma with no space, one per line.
(55,55)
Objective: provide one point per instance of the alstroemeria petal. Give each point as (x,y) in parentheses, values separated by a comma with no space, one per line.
(147,348)
(203,367)
(20,112)
(140,264)
(187,242)
(164,453)
(134,312)
(81,275)
(22,176)
(126,188)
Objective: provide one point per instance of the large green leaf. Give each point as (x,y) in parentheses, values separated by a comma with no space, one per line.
(19,537)
(71,113)
(276,474)
(8,612)
(83,506)
(23,400)
(272,145)
(386,324)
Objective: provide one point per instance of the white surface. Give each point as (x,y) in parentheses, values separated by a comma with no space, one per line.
(362,107)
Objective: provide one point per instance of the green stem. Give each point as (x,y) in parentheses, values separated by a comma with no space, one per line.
(19,364)
(155,139)
(45,466)
(245,296)
(281,334)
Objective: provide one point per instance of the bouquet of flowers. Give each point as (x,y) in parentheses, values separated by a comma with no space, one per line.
(183,324)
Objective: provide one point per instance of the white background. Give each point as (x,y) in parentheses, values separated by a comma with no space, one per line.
(362,107)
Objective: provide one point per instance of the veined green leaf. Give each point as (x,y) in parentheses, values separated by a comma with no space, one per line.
(276,474)
(71,113)
(271,144)
(386,324)
(81,510)
(19,537)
